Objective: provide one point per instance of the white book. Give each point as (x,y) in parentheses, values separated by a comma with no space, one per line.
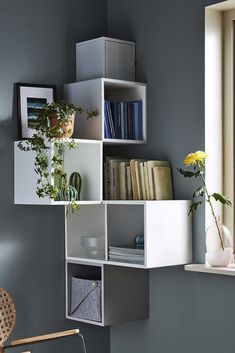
(150,165)
(110,170)
(125,250)
(163,183)
(146,181)
(116,181)
(129,185)
(123,180)
(142,181)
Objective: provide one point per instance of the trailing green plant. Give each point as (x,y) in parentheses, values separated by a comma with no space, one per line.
(50,166)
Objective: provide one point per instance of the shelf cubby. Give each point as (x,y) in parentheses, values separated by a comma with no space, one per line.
(90,168)
(166,230)
(91,94)
(125,288)
(90,221)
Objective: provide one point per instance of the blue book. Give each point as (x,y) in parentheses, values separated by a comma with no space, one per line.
(110,119)
(114,110)
(138,120)
(125,120)
(107,129)
(129,121)
(122,120)
(119,119)
(140,125)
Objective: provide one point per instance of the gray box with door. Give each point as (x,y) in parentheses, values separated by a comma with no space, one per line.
(105,57)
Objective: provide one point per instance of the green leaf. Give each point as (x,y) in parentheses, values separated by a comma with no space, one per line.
(186,173)
(221,198)
(194,207)
(199,191)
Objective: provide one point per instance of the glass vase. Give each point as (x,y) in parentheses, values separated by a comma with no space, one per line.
(219,245)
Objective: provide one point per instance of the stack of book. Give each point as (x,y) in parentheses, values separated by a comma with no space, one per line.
(137,179)
(126,254)
(123,120)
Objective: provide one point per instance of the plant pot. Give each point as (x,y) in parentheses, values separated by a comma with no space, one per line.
(67,128)
(217,256)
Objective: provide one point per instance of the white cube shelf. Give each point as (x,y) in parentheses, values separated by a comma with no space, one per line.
(165,225)
(124,292)
(91,95)
(86,159)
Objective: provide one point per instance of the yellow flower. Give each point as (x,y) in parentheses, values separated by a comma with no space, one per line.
(193,158)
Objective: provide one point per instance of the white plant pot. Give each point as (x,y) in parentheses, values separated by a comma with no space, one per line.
(219,258)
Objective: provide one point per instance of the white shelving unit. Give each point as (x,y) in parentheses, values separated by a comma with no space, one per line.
(166,230)
(91,94)
(164,224)
(125,293)
(90,168)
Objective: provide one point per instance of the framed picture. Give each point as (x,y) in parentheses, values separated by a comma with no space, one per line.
(31,99)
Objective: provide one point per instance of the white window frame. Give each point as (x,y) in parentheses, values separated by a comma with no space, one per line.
(219,106)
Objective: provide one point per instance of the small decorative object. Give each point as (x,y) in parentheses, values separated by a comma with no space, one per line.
(93,246)
(139,241)
(7,316)
(53,124)
(67,192)
(31,99)
(75,180)
(219,249)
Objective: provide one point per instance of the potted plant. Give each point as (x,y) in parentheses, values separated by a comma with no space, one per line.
(55,123)
(219,249)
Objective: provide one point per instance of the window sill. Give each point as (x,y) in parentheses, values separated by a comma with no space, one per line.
(227,271)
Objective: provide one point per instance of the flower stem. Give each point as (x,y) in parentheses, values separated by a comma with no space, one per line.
(213,213)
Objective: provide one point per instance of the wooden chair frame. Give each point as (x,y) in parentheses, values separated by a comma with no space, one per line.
(43,338)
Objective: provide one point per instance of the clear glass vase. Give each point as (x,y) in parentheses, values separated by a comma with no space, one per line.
(219,245)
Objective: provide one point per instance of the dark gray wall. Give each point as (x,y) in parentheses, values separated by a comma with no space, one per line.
(188,312)
(37,41)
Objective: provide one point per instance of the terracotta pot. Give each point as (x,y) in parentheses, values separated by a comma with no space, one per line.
(68,127)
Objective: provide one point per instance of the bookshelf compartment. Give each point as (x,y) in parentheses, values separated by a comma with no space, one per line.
(86,159)
(84,272)
(85,233)
(124,292)
(92,94)
(121,228)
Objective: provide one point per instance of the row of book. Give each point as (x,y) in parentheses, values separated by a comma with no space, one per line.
(123,120)
(126,254)
(136,179)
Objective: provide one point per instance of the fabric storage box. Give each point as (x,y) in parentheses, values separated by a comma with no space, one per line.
(86,299)
(105,57)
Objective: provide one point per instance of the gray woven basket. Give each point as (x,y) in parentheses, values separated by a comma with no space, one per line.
(86,299)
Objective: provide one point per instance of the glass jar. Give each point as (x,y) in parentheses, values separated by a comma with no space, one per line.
(219,248)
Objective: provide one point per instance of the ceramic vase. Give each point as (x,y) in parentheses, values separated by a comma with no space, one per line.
(216,255)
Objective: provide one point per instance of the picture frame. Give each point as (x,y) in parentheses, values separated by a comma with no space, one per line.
(30,99)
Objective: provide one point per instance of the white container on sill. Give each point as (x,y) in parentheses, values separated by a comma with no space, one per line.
(105,57)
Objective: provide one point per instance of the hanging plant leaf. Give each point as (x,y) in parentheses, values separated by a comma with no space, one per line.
(199,191)
(194,207)
(186,173)
(221,198)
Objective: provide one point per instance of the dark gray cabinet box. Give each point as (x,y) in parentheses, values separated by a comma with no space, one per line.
(86,299)
(105,57)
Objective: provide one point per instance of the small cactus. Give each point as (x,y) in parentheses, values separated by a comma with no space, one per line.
(75,180)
